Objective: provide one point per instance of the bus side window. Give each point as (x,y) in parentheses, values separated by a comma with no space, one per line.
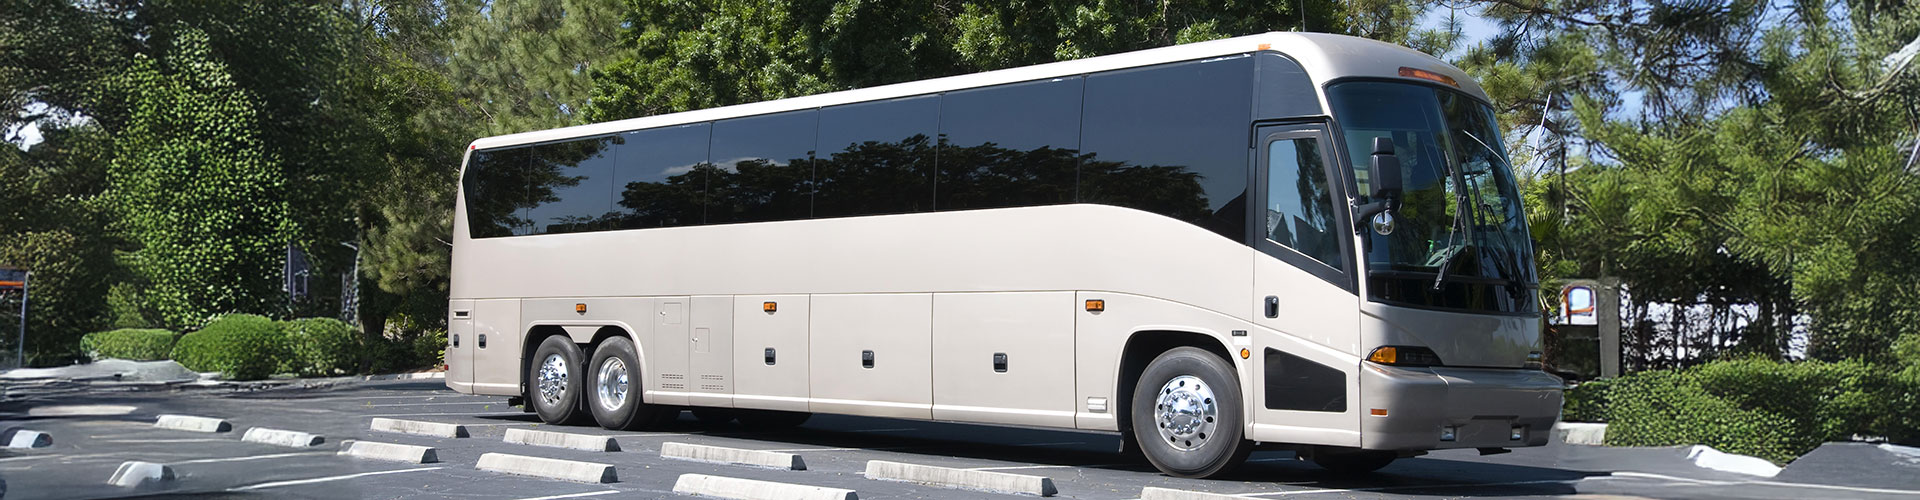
(1299,212)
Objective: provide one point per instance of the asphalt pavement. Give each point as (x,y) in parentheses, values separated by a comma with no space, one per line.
(96,431)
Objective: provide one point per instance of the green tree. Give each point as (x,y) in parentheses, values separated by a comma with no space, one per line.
(196,189)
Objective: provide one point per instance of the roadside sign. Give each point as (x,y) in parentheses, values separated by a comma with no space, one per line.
(12,279)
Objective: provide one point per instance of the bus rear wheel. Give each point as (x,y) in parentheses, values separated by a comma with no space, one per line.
(613,377)
(1186,414)
(554,381)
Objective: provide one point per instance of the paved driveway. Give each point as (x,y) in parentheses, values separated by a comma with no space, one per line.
(87,449)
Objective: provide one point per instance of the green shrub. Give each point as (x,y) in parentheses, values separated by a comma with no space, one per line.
(128,343)
(401,352)
(1773,410)
(239,346)
(320,347)
(1587,402)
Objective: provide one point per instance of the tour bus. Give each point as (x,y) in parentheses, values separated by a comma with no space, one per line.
(1289,240)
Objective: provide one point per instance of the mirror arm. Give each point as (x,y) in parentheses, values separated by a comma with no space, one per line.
(1364,212)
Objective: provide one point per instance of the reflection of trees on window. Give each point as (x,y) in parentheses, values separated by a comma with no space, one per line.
(497,195)
(875,178)
(873,171)
(568,186)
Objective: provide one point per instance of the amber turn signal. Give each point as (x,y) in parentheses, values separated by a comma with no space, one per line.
(1427,75)
(580,308)
(769,306)
(1404,356)
(1096,305)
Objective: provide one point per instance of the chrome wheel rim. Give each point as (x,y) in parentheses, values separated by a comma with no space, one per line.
(553,379)
(612,383)
(1185,413)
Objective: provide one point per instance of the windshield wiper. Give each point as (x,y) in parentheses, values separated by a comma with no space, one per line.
(1461,206)
(1509,265)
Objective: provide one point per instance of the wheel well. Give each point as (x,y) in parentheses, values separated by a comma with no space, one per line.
(1141,348)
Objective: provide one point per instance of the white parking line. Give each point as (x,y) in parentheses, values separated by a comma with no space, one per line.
(1408,487)
(192,440)
(243,459)
(1094,466)
(575,495)
(297,482)
(497,413)
(36,457)
(487,402)
(429,396)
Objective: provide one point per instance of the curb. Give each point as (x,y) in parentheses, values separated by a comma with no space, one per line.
(435,429)
(21,438)
(142,475)
(192,423)
(1586,434)
(391,452)
(748,489)
(282,438)
(732,456)
(550,439)
(565,470)
(998,482)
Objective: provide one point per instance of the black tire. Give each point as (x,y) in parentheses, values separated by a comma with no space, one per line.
(1353,462)
(565,407)
(620,410)
(713,417)
(1196,453)
(768,420)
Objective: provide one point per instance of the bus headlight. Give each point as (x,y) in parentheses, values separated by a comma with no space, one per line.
(1404,356)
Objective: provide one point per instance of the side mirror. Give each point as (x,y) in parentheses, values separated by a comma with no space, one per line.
(1384,170)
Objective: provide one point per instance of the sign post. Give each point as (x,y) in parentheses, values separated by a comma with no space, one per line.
(18,279)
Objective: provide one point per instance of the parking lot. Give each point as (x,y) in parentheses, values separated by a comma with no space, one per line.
(94,432)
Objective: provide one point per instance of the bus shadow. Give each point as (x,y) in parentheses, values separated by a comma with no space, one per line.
(1018,446)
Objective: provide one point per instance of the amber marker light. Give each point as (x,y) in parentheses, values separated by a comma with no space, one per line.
(580,308)
(1266,46)
(769,306)
(1378,412)
(1427,75)
(1244,354)
(1096,305)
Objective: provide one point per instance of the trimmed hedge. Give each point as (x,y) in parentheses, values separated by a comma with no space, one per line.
(239,346)
(1588,402)
(138,344)
(1773,410)
(320,347)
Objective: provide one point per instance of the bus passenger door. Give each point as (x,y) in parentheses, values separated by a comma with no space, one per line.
(668,351)
(710,352)
(1305,380)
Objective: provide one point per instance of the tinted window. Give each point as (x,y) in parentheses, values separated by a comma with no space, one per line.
(571,185)
(762,170)
(1172,140)
(661,177)
(1009,146)
(1299,212)
(497,197)
(876,158)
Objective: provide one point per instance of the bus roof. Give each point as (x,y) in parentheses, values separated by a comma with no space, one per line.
(1324,56)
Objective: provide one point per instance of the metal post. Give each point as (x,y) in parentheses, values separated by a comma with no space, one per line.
(20,356)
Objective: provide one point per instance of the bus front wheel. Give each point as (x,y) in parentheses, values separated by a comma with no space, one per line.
(554,383)
(1186,414)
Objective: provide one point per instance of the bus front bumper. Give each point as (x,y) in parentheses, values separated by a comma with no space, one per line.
(1443,407)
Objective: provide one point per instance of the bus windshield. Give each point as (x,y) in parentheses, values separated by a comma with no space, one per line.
(1460,238)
